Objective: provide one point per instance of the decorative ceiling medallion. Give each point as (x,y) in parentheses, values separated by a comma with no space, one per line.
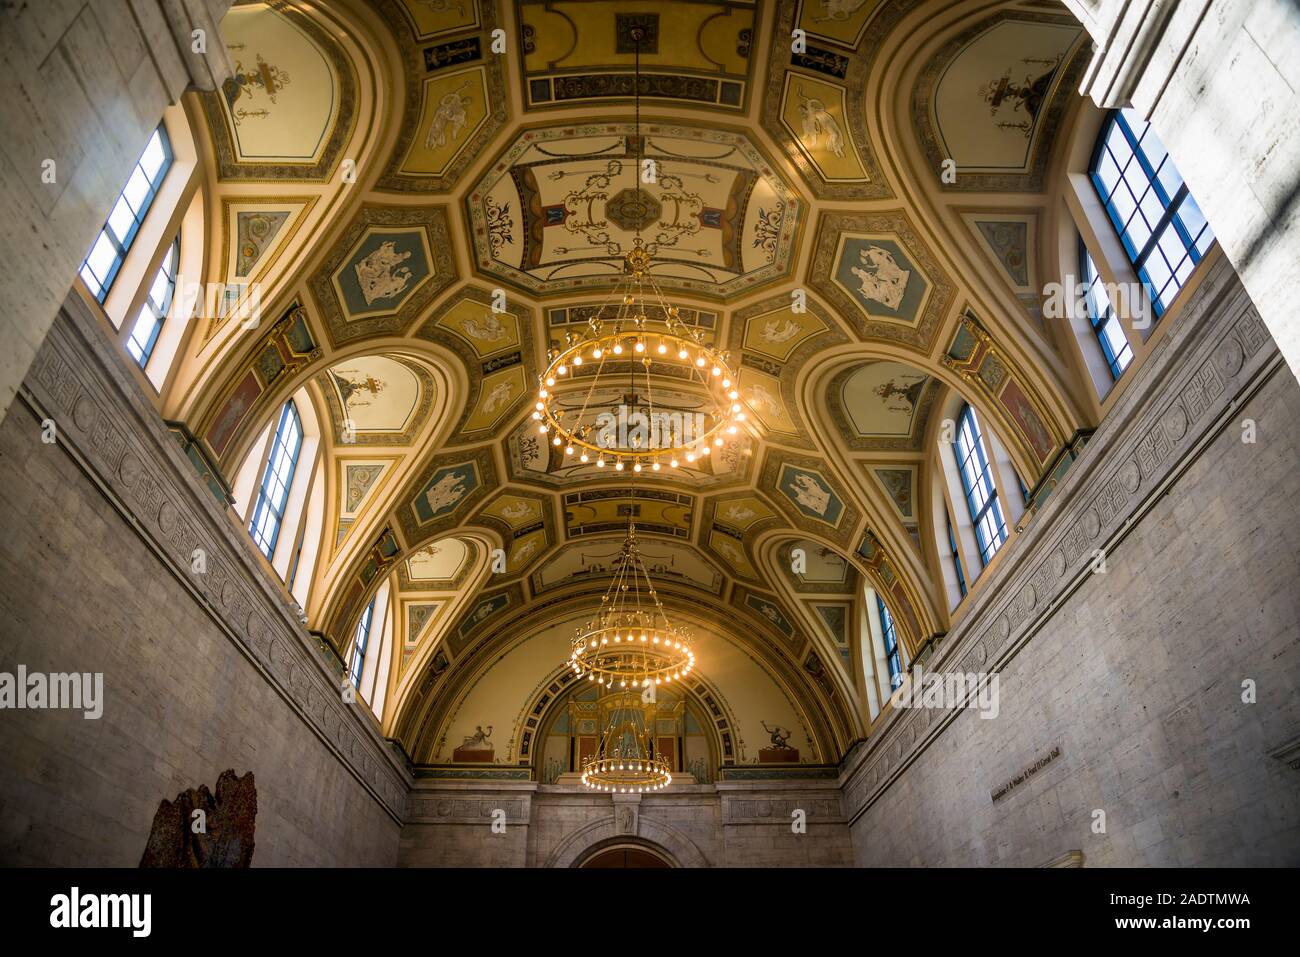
(838,21)
(432,18)
(992,99)
(444,492)
(436,566)
(814,568)
(880,276)
(556,212)
(812,501)
(388,265)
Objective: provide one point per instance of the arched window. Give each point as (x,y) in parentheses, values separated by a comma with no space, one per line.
(1157,219)
(359,642)
(273,493)
(1105,324)
(977,482)
(144,334)
(108,251)
(892,653)
(956,554)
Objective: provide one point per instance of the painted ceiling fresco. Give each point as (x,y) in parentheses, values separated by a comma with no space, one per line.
(287,108)
(561,208)
(433,193)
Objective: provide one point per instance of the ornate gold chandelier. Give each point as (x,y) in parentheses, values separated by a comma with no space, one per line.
(631,643)
(639,386)
(626,761)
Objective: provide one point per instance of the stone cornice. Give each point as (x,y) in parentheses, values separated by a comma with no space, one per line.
(1142,43)
(1219,354)
(103,422)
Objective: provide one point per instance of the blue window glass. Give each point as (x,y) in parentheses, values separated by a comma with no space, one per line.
(144,334)
(956,556)
(359,643)
(1105,324)
(977,482)
(268,511)
(1162,228)
(108,251)
(892,654)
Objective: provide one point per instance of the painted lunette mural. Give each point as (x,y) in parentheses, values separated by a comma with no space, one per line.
(974,356)
(288,347)
(877,564)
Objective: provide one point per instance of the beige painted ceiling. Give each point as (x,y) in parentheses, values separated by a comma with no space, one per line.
(387,170)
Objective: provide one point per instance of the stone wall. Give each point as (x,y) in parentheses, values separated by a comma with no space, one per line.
(1186,65)
(202,671)
(84,86)
(1134,676)
(731,824)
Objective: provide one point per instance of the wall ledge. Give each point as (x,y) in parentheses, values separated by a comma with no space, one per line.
(80,381)
(1218,355)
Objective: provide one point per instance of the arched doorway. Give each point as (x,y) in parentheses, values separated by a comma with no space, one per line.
(626,854)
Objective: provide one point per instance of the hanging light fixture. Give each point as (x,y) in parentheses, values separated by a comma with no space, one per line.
(631,643)
(626,761)
(602,399)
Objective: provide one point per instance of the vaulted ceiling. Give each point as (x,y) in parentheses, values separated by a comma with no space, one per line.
(388,172)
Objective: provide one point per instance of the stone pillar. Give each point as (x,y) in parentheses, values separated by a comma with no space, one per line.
(1220,81)
(83,85)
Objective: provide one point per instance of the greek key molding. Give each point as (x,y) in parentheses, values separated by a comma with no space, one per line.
(123,445)
(1220,350)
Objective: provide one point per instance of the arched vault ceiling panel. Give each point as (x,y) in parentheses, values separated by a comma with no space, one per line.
(992,99)
(774,341)
(812,500)
(438,565)
(454,101)
(667,561)
(815,103)
(730,523)
(558,210)
(530,458)
(881,405)
(291,104)
(377,400)
(443,492)
(877,272)
(582,51)
(389,264)
(496,346)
